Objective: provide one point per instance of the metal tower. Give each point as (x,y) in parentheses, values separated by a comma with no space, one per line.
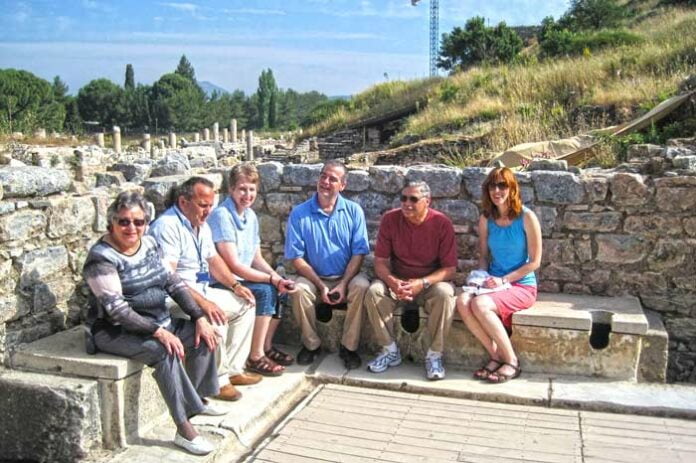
(434,33)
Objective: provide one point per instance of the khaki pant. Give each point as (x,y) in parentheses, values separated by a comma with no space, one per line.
(235,336)
(305,298)
(437,301)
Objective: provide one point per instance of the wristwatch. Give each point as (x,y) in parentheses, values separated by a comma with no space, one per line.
(426,283)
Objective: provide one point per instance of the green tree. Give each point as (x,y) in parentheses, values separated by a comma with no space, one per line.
(129,83)
(102,101)
(185,68)
(266,100)
(176,103)
(60,89)
(593,14)
(476,43)
(73,121)
(27,103)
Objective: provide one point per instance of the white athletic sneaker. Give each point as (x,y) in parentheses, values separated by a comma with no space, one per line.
(212,410)
(434,368)
(384,360)
(197,446)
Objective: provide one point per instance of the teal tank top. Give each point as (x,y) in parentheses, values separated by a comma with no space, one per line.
(507,247)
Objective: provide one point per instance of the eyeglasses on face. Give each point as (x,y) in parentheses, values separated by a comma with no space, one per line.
(126,222)
(499,185)
(412,199)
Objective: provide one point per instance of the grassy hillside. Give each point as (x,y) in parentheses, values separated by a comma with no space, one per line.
(537,99)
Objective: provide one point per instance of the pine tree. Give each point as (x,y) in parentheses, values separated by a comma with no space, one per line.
(129,84)
(185,68)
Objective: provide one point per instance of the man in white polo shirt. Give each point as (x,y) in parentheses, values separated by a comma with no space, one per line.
(188,247)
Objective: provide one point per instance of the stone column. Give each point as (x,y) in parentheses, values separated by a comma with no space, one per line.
(117,139)
(40,133)
(206,134)
(225,135)
(250,146)
(147,146)
(233,130)
(172,140)
(196,137)
(216,132)
(162,144)
(243,139)
(100,139)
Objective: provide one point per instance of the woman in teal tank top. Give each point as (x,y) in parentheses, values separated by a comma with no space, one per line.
(510,251)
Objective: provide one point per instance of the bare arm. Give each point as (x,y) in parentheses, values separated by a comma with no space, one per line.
(220,271)
(306,270)
(228,252)
(209,308)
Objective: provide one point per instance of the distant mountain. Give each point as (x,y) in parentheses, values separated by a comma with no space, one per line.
(209,88)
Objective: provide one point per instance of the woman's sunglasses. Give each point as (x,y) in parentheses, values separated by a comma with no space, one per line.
(413,199)
(126,222)
(499,185)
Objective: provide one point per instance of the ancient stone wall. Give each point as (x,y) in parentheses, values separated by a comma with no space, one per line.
(605,232)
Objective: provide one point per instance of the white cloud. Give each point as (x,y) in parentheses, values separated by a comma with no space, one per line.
(188,7)
(254,11)
(22,13)
(97,6)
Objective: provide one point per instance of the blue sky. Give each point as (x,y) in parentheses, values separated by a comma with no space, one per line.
(338,47)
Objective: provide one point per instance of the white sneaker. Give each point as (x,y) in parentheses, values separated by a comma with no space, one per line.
(384,360)
(434,368)
(197,446)
(212,410)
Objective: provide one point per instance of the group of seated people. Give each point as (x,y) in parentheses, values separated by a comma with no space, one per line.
(195,299)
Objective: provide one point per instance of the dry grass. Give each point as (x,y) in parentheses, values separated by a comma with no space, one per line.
(535,101)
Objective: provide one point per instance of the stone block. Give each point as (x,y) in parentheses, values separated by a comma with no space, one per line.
(374,204)
(548,165)
(473,179)
(280,204)
(20,182)
(47,417)
(156,188)
(137,171)
(6,206)
(684,162)
(668,254)
(652,365)
(69,217)
(459,211)
(270,174)
(644,151)
(676,199)
(592,221)
(560,273)
(596,188)
(558,187)
(629,189)
(621,249)
(547,218)
(100,203)
(108,179)
(269,228)
(301,174)
(357,180)
(387,179)
(34,266)
(583,250)
(171,165)
(443,181)
(22,225)
(129,399)
(657,225)
(690,226)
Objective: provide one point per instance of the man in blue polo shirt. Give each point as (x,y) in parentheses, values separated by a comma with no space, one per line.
(326,241)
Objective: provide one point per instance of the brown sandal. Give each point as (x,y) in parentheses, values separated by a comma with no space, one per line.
(498,377)
(280,357)
(484,372)
(264,366)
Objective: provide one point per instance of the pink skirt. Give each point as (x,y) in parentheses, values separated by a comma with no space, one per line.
(512,300)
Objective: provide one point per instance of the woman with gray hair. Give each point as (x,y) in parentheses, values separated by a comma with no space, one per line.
(127,316)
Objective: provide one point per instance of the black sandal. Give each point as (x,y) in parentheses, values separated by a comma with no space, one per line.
(497,377)
(264,366)
(484,372)
(280,357)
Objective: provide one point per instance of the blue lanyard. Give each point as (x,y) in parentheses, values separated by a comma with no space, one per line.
(199,247)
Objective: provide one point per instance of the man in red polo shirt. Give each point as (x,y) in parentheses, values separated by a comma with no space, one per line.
(415,258)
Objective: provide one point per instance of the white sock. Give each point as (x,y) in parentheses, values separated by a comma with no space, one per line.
(392,347)
(433,355)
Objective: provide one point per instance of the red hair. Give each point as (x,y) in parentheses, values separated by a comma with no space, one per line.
(514,201)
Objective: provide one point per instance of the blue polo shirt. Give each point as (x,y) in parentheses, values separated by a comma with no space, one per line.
(326,242)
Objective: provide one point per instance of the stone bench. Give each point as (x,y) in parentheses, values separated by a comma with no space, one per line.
(129,399)
(562,334)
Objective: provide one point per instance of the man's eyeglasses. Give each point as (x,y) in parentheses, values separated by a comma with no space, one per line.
(412,199)
(126,222)
(499,185)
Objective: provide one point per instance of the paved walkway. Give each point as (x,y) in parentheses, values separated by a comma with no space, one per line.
(352,424)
